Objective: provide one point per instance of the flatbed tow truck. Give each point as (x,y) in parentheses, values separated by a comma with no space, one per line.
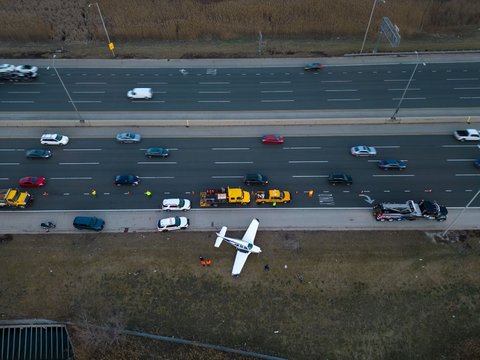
(222,196)
(410,210)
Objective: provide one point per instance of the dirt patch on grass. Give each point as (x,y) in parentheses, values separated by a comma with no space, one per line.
(342,295)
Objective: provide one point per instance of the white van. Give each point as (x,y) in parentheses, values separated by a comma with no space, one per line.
(140,93)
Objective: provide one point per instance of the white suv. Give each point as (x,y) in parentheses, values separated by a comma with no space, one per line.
(53,139)
(173,223)
(176,204)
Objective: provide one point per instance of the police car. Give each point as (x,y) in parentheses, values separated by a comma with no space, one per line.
(176,204)
(173,223)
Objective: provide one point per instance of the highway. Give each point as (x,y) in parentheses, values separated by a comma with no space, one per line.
(452,85)
(439,168)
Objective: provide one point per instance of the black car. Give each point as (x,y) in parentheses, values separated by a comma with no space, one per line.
(392,164)
(338,178)
(38,154)
(88,223)
(255,179)
(156,152)
(126,180)
(476,163)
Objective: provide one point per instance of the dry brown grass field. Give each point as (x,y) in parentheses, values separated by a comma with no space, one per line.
(230,27)
(328,295)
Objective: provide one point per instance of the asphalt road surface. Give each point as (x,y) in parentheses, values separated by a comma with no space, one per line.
(438,167)
(349,87)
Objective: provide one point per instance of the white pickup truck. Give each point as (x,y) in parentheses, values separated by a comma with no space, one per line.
(467,135)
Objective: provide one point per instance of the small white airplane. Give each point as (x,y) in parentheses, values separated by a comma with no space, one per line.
(244,246)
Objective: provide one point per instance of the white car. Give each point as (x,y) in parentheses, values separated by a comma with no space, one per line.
(53,139)
(140,93)
(6,68)
(27,69)
(176,204)
(173,223)
(363,151)
(467,135)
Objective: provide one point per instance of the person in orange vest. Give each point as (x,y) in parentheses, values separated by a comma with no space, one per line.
(202,261)
(208,262)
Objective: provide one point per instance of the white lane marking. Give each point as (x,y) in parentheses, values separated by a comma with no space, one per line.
(467,88)
(3,178)
(214,92)
(82,149)
(23,92)
(153,83)
(302,148)
(307,161)
(90,83)
(214,82)
(32,83)
(463,79)
(469,97)
(243,148)
(277,100)
(343,99)
(467,174)
(17,102)
(381,160)
(226,177)
(232,162)
(275,82)
(156,162)
(407,98)
(9,164)
(461,159)
(12,149)
(409,89)
(88,92)
(87,163)
(309,176)
(156,177)
(342,90)
(276,91)
(213,101)
(336,81)
(70,178)
(394,175)
(459,146)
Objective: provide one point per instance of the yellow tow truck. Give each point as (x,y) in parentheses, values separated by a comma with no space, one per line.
(15,198)
(216,197)
(272,196)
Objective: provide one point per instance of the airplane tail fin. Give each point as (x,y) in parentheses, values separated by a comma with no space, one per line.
(220,236)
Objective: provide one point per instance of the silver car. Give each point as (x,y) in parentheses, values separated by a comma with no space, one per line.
(129,138)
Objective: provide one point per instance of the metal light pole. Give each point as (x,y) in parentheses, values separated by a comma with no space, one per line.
(369,21)
(461,212)
(406,88)
(68,94)
(110,44)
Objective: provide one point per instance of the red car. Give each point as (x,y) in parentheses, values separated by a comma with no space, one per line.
(32,181)
(272,139)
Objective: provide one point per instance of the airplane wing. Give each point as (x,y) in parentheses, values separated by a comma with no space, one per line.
(240,260)
(251,232)
(220,236)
